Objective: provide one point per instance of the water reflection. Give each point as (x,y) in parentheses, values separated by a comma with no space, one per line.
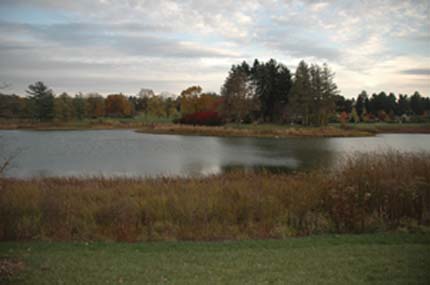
(124,152)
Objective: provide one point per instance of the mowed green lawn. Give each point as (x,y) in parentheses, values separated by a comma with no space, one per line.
(329,259)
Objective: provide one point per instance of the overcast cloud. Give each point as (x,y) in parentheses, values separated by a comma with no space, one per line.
(121,46)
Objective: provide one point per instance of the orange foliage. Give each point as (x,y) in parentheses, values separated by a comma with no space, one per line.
(118,106)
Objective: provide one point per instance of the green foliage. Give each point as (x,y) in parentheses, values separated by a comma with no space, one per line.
(313,94)
(79,106)
(272,83)
(42,101)
(64,108)
(156,106)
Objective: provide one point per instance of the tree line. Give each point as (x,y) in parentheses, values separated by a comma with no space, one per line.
(384,107)
(42,105)
(264,92)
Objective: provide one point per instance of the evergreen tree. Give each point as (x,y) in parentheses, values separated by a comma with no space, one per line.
(79,106)
(329,91)
(42,100)
(272,83)
(417,103)
(403,107)
(360,104)
(301,94)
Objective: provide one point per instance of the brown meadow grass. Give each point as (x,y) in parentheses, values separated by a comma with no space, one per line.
(367,193)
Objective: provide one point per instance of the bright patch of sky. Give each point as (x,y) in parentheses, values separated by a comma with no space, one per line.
(121,46)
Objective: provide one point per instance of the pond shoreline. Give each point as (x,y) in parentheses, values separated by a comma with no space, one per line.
(231,206)
(230,130)
(254,131)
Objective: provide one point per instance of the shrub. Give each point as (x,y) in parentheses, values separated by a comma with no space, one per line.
(208,118)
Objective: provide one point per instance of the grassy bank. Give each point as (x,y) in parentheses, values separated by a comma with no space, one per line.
(86,124)
(330,259)
(272,130)
(155,125)
(264,130)
(369,193)
(376,128)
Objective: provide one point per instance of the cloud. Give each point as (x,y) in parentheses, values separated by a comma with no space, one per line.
(127,38)
(416,71)
(111,43)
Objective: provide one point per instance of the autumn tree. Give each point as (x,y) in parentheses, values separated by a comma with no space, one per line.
(189,100)
(170,107)
(95,105)
(207,102)
(239,98)
(63,107)
(13,106)
(117,105)
(156,106)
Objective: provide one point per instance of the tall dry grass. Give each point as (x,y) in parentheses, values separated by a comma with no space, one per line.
(370,192)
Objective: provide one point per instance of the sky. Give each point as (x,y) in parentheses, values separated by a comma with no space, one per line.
(111,46)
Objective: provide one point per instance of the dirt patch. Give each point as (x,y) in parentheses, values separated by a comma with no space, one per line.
(9,267)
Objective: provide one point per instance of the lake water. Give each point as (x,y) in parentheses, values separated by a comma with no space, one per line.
(125,152)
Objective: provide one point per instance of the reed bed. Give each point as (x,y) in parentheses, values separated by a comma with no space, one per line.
(368,193)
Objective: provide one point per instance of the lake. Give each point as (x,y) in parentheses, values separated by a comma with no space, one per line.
(125,152)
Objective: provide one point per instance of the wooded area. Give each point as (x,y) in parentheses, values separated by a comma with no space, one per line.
(266,92)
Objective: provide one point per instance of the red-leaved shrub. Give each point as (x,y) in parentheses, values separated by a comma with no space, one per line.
(208,118)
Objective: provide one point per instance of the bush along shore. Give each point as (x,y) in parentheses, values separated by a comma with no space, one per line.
(367,193)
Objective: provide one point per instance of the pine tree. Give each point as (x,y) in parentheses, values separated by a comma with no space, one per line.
(329,92)
(301,94)
(42,101)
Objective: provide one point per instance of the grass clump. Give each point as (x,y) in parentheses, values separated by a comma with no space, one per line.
(367,193)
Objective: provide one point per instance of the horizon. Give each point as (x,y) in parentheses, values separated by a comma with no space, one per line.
(168,46)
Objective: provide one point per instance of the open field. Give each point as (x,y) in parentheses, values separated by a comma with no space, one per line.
(326,259)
